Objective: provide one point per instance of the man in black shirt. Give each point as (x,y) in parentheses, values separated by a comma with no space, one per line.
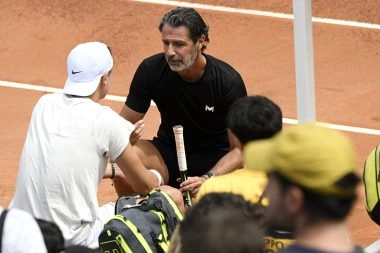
(192,89)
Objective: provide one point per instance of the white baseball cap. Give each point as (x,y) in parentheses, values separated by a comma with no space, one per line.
(86,64)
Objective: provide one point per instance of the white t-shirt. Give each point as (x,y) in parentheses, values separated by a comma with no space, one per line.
(64,158)
(21,233)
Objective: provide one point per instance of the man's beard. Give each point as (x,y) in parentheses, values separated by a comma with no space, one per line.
(184,63)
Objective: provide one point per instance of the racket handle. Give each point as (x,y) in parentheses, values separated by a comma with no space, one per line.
(187,195)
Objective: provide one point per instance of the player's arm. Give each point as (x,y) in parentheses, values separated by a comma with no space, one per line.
(229,162)
(131,115)
(135,118)
(137,175)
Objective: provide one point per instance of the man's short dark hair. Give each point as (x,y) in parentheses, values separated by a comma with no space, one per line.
(190,18)
(223,223)
(52,235)
(254,118)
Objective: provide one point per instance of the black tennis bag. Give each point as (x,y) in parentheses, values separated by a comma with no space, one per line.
(146,227)
(371,178)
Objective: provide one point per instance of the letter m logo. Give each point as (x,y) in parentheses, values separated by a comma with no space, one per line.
(209,108)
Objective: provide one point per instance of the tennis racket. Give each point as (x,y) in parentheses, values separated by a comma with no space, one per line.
(181,156)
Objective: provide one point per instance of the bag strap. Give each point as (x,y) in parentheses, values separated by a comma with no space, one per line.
(2,221)
(160,201)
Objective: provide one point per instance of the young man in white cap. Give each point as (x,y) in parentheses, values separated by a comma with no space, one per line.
(69,141)
(312,185)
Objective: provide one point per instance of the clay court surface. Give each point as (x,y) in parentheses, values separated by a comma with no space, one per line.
(37,35)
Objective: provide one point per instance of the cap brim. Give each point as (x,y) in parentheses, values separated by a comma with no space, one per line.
(81,88)
(258,155)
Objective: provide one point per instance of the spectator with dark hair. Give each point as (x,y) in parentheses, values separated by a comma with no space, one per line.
(251,118)
(223,223)
(53,237)
(312,185)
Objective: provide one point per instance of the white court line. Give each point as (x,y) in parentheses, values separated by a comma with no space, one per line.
(360,130)
(259,13)
(49,89)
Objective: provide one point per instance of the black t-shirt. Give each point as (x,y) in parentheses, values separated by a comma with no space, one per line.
(200,107)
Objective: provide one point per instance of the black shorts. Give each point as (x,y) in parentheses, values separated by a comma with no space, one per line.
(198,163)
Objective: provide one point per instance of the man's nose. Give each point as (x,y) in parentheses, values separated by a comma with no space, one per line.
(170,50)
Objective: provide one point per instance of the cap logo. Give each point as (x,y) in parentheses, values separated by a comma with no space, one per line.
(86,64)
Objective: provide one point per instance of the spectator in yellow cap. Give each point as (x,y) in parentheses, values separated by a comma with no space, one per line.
(312,185)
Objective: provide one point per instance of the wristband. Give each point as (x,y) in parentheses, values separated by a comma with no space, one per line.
(209,175)
(113,169)
(158,175)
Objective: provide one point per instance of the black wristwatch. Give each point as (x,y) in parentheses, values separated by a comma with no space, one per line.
(209,175)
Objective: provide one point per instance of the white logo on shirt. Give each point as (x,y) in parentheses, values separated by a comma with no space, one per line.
(209,108)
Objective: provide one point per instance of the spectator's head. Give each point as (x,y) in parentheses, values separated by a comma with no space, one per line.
(87,65)
(223,223)
(253,118)
(53,237)
(189,18)
(312,170)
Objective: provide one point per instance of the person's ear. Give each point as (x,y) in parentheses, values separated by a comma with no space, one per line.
(201,41)
(200,45)
(104,79)
(294,199)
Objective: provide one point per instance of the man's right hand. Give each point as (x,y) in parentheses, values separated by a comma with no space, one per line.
(137,133)
(192,184)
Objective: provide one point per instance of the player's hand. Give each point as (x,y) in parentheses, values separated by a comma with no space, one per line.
(137,132)
(192,184)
